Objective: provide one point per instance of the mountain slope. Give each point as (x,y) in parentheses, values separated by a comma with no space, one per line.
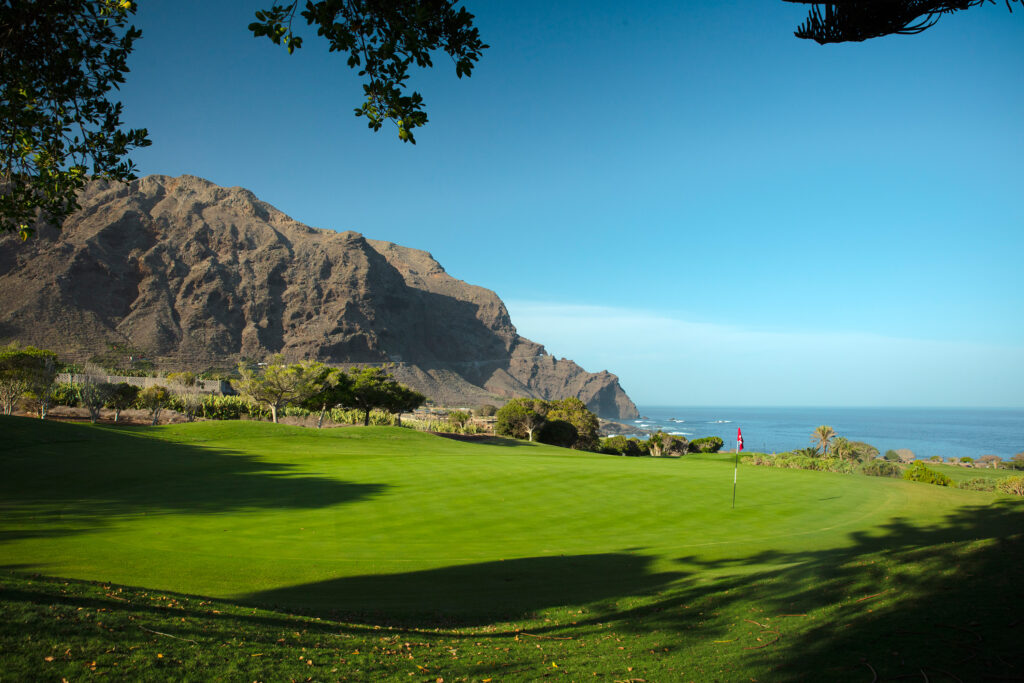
(195,275)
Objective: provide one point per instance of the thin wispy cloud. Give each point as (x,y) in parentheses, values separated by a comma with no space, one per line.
(670,360)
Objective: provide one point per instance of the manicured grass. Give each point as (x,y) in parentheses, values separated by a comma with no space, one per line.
(959,474)
(624,567)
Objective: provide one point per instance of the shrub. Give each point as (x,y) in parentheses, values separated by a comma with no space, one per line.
(881,468)
(614,445)
(486,410)
(669,445)
(122,396)
(219,374)
(185,379)
(558,433)
(676,445)
(838,465)
(794,461)
(977,484)
(575,412)
(228,407)
(935,458)
(799,460)
(521,418)
(154,399)
(967,460)
(377,418)
(707,444)
(656,443)
(918,472)
(93,395)
(1013,485)
(458,419)
(863,452)
(635,447)
(65,394)
(892,456)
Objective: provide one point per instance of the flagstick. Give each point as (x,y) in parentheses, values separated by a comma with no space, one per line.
(736,469)
(735,472)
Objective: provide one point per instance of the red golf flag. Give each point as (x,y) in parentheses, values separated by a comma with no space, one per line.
(739,439)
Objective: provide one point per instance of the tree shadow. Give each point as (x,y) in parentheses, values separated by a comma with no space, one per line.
(486,439)
(62,479)
(473,594)
(937,601)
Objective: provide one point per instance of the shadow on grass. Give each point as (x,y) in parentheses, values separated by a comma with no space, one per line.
(474,594)
(484,439)
(936,602)
(62,479)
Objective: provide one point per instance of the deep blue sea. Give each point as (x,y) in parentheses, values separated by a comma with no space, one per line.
(947,432)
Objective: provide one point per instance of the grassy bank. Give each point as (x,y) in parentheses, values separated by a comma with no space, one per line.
(501,560)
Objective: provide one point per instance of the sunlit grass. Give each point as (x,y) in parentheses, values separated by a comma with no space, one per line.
(394,528)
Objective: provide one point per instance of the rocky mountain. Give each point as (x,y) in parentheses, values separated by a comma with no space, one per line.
(196,275)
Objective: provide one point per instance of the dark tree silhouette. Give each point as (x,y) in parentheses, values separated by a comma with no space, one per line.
(383,38)
(856,20)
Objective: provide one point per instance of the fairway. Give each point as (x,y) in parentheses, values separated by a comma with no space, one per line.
(390,526)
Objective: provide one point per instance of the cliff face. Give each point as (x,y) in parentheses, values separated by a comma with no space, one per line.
(197,275)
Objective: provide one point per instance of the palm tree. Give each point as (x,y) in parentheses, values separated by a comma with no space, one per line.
(821,438)
(843,449)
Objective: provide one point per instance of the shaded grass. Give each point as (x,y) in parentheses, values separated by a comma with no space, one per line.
(630,568)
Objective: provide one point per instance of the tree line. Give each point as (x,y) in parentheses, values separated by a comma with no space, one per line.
(568,423)
(31,373)
(315,386)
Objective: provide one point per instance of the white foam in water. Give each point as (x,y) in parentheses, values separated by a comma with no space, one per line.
(946,432)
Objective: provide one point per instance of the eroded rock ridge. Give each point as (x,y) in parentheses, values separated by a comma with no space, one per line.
(196,275)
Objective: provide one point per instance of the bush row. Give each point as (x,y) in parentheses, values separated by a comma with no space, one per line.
(216,407)
(659,444)
(798,461)
(917,471)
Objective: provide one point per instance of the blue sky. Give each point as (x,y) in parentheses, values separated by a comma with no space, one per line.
(682,193)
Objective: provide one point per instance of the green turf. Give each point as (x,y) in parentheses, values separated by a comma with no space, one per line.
(959,474)
(385,527)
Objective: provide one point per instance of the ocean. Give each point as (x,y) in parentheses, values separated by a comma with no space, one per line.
(946,432)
